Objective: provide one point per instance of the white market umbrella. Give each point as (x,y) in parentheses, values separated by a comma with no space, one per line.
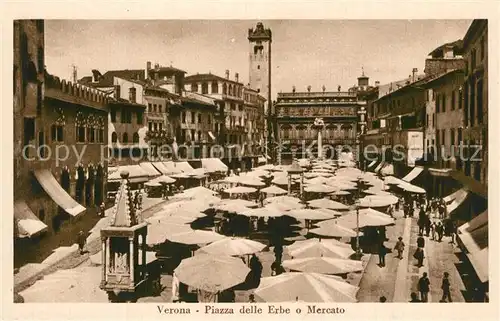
(378,201)
(212,273)
(274,190)
(367,217)
(196,237)
(391,180)
(240,190)
(323,265)
(327,203)
(266,211)
(341,193)
(252,181)
(306,287)
(334,229)
(319,188)
(235,202)
(320,247)
(280,180)
(311,214)
(282,199)
(411,188)
(152,184)
(160,231)
(232,246)
(164,179)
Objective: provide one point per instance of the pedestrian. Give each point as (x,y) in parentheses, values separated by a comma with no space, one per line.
(82,240)
(433,230)
(445,286)
(382,299)
(421,221)
(256,266)
(382,251)
(251,298)
(414,298)
(441,210)
(419,255)
(453,231)
(424,287)
(102,210)
(427,225)
(390,210)
(399,247)
(440,231)
(421,242)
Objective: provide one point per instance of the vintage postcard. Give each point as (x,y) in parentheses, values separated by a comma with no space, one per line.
(250,166)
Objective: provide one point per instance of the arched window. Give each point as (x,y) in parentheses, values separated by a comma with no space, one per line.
(114,137)
(194,87)
(224,89)
(125,138)
(215,87)
(135,138)
(230,92)
(204,88)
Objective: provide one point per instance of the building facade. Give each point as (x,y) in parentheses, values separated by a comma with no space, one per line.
(254,108)
(60,142)
(297,116)
(475,112)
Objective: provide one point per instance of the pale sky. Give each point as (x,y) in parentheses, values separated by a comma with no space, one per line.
(304,52)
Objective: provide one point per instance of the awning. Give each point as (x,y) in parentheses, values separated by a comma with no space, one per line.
(372,164)
(413,174)
(28,224)
(379,167)
(448,199)
(213,165)
(149,169)
(211,135)
(470,184)
(171,168)
(459,199)
(160,167)
(136,173)
(57,193)
(474,238)
(387,170)
(183,167)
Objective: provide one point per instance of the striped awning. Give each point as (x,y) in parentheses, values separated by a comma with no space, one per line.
(413,174)
(150,169)
(459,199)
(57,193)
(136,173)
(28,224)
(473,236)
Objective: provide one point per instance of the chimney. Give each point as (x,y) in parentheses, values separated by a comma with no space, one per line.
(377,83)
(148,68)
(236,77)
(414,74)
(227,73)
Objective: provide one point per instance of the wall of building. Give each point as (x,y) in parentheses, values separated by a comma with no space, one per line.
(430,123)
(434,66)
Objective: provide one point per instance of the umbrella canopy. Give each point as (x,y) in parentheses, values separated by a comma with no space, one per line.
(164,179)
(152,184)
(212,273)
(334,229)
(341,193)
(307,287)
(367,217)
(233,247)
(240,190)
(282,199)
(310,214)
(378,200)
(186,206)
(274,190)
(266,167)
(196,237)
(327,203)
(236,202)
(375,191)
(284,206)
(319,188)
(251,181)
(258,173)
(266,211)
(232,179)
(324,265)
(320,247)
(391,180)
(160,231)
(195,192)
(317,180)
(67,286)
(280,180)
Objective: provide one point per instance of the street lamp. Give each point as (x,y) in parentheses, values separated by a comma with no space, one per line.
(357,204)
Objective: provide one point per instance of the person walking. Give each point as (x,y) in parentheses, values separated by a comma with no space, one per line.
(421,242)
(82,240)
(433,231)
(419,255)
(439,231)
(424,287)
(453,232)
(102,210)
(421,221)
(382,251)
(400,247)
(445,286)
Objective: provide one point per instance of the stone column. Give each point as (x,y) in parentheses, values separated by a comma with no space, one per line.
(289,184)
(320,144)
(131,258)
(104,257)
(107,257)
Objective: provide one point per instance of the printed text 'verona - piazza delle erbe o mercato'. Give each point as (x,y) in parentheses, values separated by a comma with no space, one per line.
(271,309)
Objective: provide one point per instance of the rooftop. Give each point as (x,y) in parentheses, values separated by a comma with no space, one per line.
(208,77)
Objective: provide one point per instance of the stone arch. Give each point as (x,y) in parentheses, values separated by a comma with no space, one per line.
(125,138)
(114,137)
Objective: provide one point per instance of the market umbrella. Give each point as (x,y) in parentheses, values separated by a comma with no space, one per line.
(266,211)
(282,199)
(212,273)
(391,180)
(235,202)
(186,206)
(333,229)
(341,193)
(68,286)
(152,184)
(232,246)
(274,190)
(258,173)
(378,200)
(377,192)
(307,287)
(367,217)
(280,180)
(164,179)
(240,190)
(323,265)
(320,247)
(252,181)
(319,188)
(317,180)
(232,179)
(266,167)
(284,206)
(196,237)
(310,214)
(327,203)
(161,230)
(195,192)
